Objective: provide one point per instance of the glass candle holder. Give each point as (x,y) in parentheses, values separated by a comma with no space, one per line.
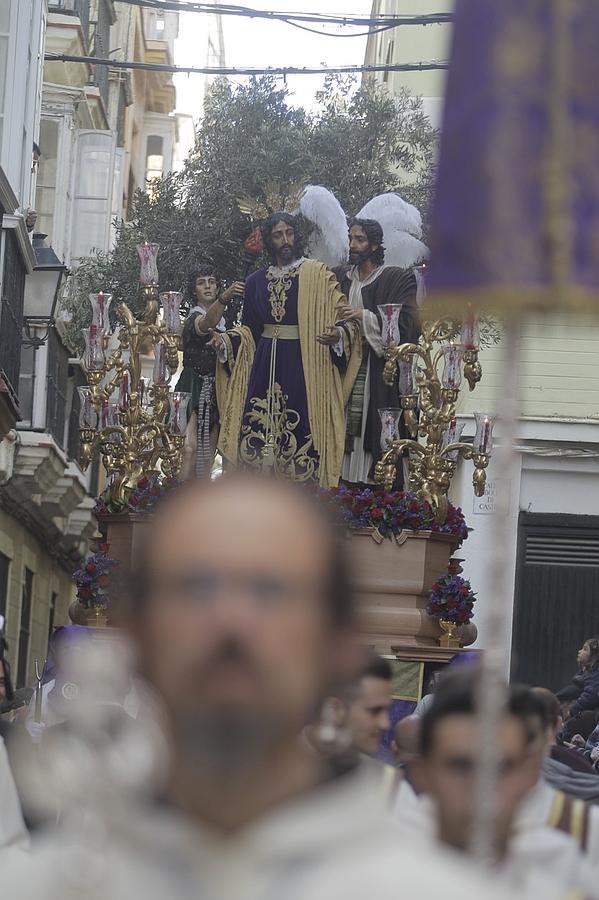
(88,417)
(452,436)
(483,436)
(470,336)
(452,366)
(125,390)
(177,420)
(390,417)
(148,254)
(161,372)
(93,357)
(407,384)
(389,313)
(171,303)
(143,390)
(100,304)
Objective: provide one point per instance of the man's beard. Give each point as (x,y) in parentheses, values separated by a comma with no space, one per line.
(356,257)
(226,743)
(287,254)
(227,739)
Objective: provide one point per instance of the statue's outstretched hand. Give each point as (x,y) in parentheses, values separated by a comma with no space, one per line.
(349,312)
(234,290)
(216,341)
(330,337)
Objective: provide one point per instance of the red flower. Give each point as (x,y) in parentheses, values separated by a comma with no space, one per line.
(133,500)
(85,592)
(143,483)
(90,567)
(253,242)
(103,548)
(377,514)
(103,581)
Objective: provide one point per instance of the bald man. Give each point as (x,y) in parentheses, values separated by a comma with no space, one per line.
(243,620)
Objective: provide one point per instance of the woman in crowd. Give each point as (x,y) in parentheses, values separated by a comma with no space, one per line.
(580,698)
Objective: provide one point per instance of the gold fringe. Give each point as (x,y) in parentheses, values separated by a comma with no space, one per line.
(510,301)
(326,389)
(231,391)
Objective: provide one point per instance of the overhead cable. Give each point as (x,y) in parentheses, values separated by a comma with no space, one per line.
(241,70)
(226,9)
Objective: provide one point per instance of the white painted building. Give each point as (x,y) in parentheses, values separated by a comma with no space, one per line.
(102,133)
(412,44)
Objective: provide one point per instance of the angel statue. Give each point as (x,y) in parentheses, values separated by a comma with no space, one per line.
(384,248)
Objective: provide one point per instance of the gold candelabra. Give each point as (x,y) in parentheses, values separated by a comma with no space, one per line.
(143,431)
(430,374)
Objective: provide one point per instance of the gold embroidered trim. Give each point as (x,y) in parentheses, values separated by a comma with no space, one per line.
(269,438)
(278,285)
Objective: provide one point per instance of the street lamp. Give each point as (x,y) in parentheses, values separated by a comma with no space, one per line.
(42,289)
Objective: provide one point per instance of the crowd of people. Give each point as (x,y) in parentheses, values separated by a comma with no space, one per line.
(224,743)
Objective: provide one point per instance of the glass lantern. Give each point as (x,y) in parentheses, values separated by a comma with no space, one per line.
(171,303)
(93,357)
(178,403)
(143,390)
(110,418)
(389,313)
(452,366)
(452,436)
(483,436)
(390,417)
(407,384)
(125,390)
(148,254)
(161,372)
(88,417)
(100,304)
(471,333)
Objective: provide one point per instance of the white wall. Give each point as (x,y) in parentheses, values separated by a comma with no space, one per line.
(557,472)
(20,92)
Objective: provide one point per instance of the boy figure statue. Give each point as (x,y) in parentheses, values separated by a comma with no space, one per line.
(199,367)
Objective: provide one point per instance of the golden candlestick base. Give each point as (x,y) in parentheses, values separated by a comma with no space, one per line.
(449,638)
(97,617)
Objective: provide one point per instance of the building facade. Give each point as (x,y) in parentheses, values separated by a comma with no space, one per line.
(101,133)
(552,504)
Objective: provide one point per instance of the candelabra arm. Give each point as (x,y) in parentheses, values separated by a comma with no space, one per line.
(125,315)
(463,449)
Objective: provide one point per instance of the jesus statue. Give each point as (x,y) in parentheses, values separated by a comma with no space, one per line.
(286,373)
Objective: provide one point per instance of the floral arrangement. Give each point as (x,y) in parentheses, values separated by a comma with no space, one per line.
(148,490)
(452,599)
(93,578)
(390,512)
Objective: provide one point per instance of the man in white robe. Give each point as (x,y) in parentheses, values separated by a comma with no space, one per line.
(536,859)
(244,623)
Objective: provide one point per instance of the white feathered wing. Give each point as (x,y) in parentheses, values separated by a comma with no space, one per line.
(402,229)
(328,242)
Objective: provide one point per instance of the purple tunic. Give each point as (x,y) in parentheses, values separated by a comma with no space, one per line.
(276,410)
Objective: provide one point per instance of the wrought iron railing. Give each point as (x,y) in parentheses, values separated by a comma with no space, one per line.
(11,313)
(57,381)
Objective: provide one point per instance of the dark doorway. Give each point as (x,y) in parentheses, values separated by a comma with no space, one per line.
(557,596)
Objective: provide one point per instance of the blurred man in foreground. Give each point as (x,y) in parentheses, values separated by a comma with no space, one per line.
(243,617)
